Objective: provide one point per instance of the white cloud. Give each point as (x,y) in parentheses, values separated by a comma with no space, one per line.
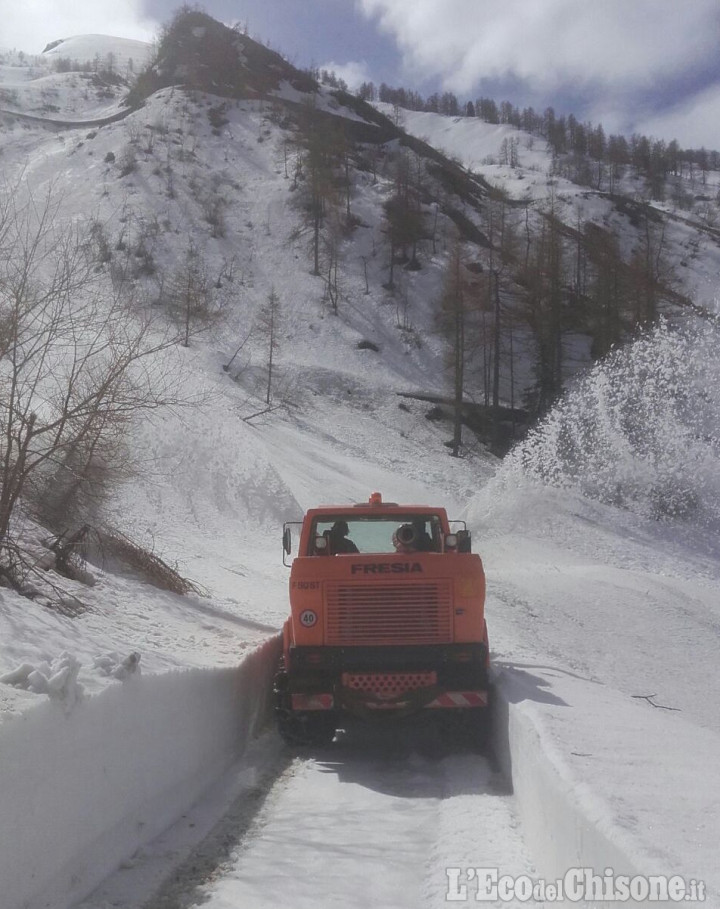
(30,25)
(549,42)
(694,124)
(353,73)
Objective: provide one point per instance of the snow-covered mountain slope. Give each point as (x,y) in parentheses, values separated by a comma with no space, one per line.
(81,78)
(603,620)
(690,236)
(124,55)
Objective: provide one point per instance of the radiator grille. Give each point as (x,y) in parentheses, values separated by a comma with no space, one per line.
(388,613)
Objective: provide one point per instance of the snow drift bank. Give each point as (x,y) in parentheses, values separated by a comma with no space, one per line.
(81,790)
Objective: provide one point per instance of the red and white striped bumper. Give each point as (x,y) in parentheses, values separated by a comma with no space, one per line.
(445,701)
(452,699)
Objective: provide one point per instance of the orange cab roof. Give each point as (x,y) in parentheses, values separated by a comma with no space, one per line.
(374,505)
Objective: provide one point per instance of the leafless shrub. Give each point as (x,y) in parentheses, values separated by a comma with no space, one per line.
(33,578)
(70,552)
(148,564)
(8,96)
(100,242)
(133,131)
(160,126)
(214,212)
(217,118)
(83,476)
(145,234)
(226,273)
(76,364)
(149,145)
(212,197)
(128,161)
(144,259)
(195,302)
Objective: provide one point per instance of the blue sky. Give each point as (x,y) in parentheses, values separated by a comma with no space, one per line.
(646,65)
(307,33)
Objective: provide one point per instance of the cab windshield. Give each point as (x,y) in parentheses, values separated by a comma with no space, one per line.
(351,533)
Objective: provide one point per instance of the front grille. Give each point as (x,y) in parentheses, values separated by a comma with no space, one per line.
(405,613)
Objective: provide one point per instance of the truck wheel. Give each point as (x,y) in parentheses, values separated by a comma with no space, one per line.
(306,728)
(296,728)
(476,728)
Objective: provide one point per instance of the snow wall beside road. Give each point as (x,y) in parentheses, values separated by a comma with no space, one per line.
(81,791)
(589,789)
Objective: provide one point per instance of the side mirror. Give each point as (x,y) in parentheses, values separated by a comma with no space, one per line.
(287,540)
(464,542)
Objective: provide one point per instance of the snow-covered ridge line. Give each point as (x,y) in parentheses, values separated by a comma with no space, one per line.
(81,791)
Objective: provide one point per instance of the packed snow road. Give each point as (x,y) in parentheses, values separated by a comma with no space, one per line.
(372,821)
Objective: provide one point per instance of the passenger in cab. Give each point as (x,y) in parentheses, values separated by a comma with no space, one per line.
(413,537)
(338,539)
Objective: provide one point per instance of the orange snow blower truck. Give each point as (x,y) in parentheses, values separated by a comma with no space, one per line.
(387,619)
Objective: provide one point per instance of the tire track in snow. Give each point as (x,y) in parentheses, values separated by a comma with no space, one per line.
(370,822)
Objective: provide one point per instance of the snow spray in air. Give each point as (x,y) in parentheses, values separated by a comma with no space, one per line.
(640,431)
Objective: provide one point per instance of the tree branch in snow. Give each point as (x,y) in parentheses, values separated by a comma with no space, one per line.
(649,699)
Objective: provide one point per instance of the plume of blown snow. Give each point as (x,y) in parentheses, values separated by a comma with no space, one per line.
(641,431)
